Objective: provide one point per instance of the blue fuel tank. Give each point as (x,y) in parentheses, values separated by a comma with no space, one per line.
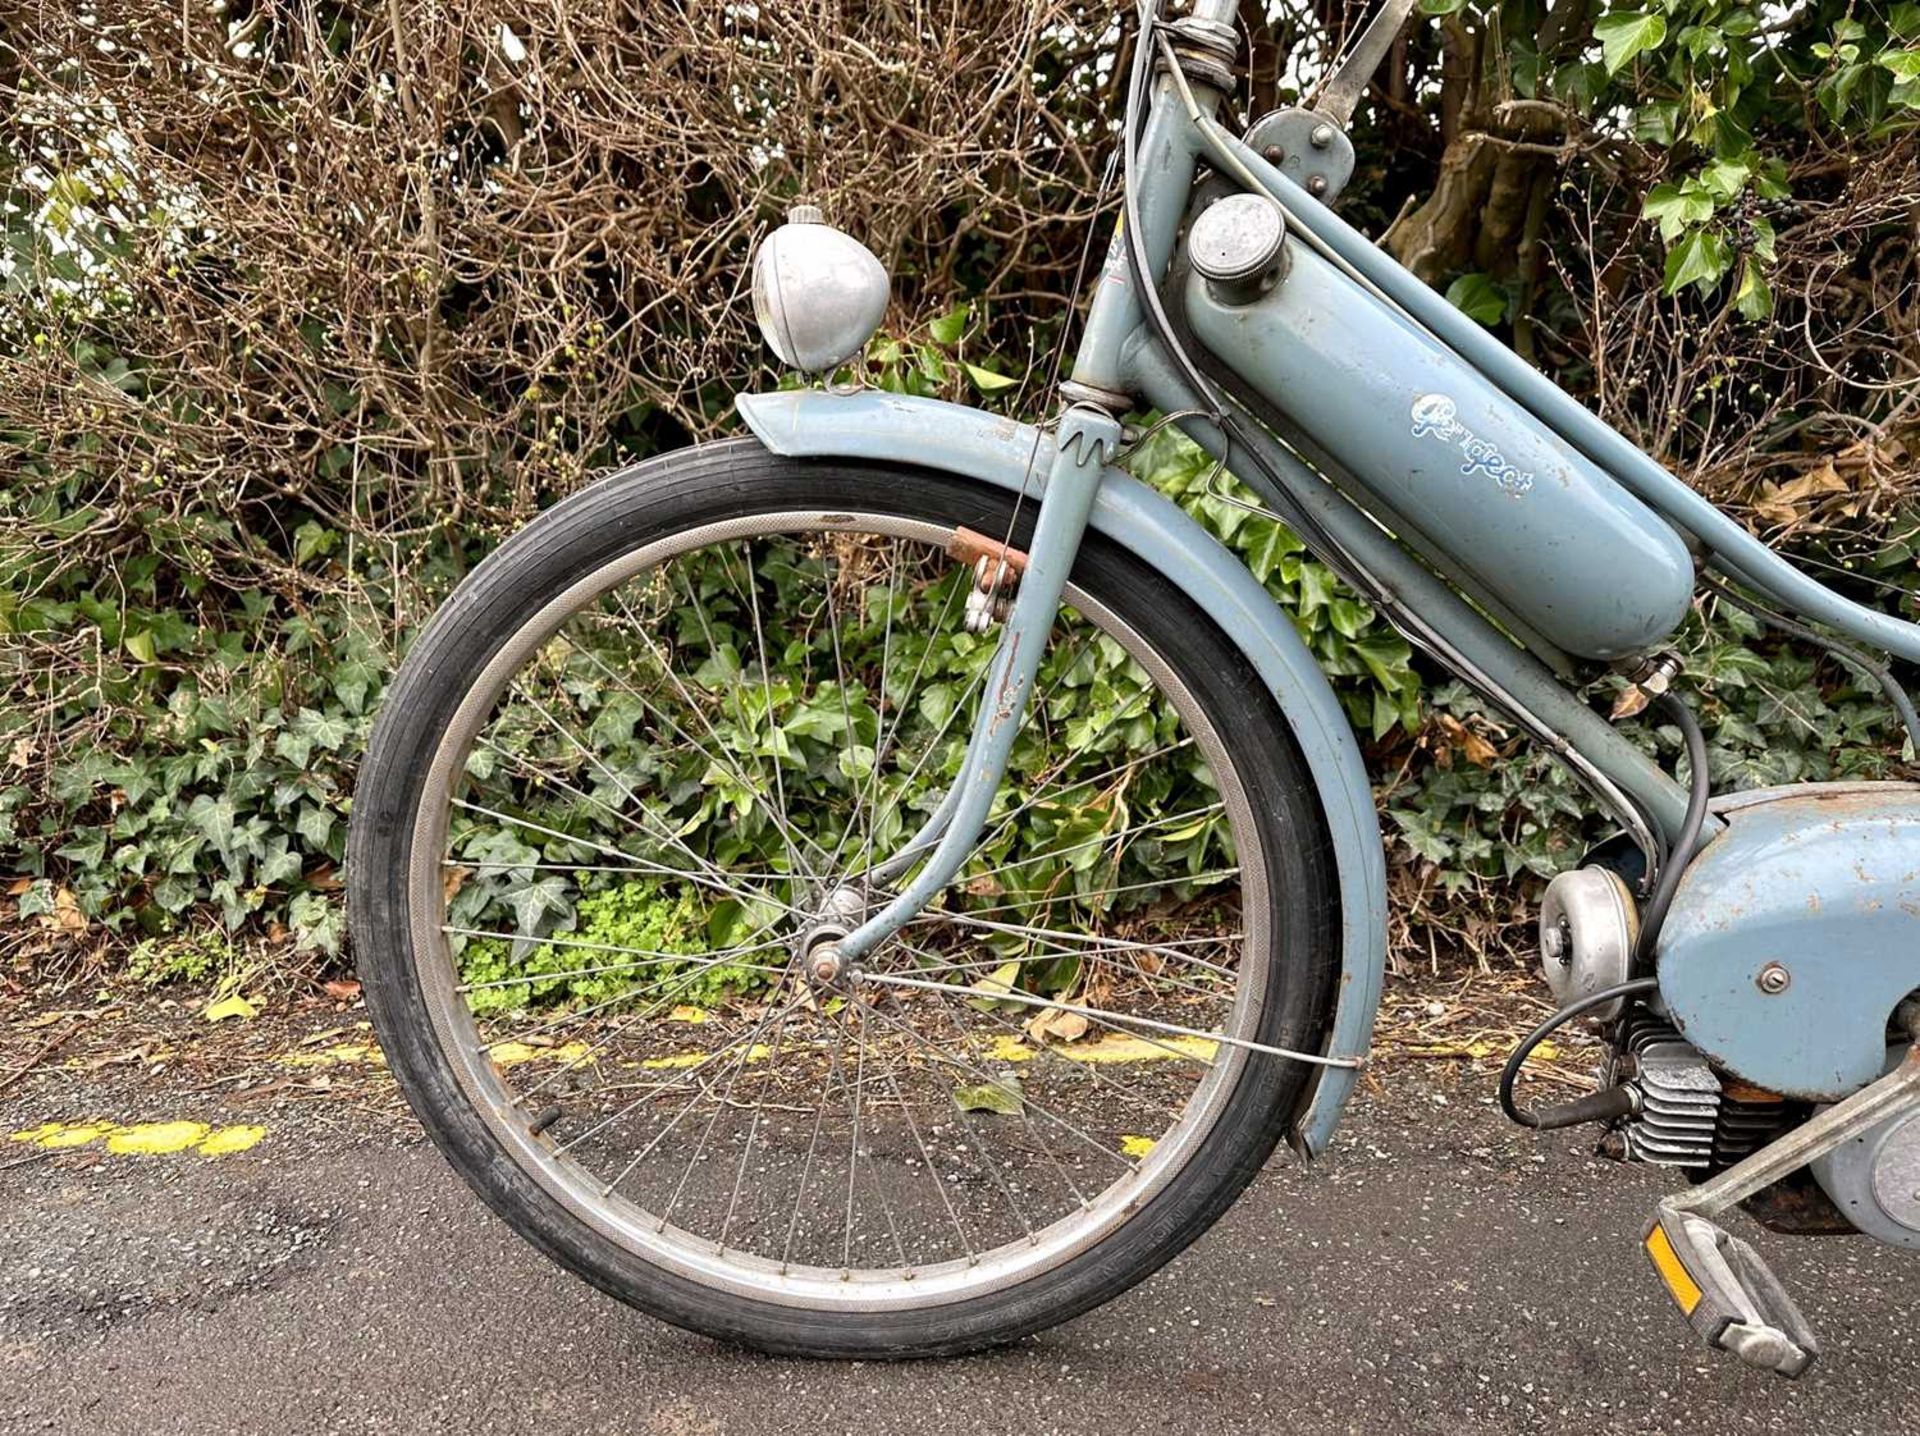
(1542,531)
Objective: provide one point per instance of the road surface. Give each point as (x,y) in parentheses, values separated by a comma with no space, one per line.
(1440,1272)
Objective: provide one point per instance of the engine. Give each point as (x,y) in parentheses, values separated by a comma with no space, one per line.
(1686,1110)
(1686,1114)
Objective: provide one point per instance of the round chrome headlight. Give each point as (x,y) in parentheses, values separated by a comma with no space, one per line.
(818,294)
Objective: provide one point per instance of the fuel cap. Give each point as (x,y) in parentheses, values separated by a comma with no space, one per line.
(1238,245)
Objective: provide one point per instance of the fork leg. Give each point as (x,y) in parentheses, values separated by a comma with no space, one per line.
(1088,439)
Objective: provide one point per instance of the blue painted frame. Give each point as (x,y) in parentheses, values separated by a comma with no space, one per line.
(1119,355)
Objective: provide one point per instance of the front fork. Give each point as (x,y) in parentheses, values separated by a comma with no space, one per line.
(1088,440)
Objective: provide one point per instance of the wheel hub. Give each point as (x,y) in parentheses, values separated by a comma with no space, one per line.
(843,909)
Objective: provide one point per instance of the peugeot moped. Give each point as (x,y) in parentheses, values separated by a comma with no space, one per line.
(883,885)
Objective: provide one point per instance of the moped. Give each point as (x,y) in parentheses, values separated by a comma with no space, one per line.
(883,886)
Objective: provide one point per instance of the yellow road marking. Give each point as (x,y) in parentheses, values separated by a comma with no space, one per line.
(338,1055)
(143,1139)
(1114,1047)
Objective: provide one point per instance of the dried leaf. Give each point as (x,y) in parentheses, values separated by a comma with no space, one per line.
(343,989)
(66,915)
(1787,503)
(1050,1023)
(995,986)
(229,1007)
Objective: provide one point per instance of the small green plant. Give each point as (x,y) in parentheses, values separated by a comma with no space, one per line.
(629,926)
(198,955)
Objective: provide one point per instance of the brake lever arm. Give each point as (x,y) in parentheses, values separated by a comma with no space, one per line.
(1344,87)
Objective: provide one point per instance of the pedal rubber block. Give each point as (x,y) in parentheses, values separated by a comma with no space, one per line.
(1728,1295)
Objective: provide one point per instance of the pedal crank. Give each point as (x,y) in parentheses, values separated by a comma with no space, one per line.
(1722,1286)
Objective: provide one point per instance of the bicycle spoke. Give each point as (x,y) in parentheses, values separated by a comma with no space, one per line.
(724,763)
(1119,1021)
(1074,895)
(717,883)
(979,1071)
(707,724)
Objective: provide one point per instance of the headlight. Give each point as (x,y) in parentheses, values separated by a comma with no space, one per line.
(818,294)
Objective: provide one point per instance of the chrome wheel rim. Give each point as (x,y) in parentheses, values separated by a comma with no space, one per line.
(874,1008)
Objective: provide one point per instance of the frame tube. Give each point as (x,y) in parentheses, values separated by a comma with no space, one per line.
(1088,438)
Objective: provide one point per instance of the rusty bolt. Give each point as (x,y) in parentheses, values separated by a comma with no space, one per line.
(1774,979)
(1317,184)
(1273,154)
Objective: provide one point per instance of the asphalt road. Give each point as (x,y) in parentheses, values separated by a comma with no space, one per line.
(1439,1273)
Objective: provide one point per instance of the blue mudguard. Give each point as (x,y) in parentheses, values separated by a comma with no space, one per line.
(898,429)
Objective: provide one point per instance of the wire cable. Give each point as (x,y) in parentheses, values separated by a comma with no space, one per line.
(1615,1102)
(1526,1117)
(1687,842)
(1845,652)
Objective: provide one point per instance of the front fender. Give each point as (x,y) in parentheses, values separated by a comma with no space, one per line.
(901,429)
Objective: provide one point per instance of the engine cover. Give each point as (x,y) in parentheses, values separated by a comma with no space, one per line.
(1875,1180)
(1588,926)
(1796,934)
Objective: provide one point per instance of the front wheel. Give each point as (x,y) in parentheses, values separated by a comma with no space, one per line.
(669,734)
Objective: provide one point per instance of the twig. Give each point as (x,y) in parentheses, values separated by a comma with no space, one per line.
(46,1051)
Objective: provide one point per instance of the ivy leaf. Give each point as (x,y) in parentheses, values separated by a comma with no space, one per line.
(174,894)
(1657,123)
(986,381)
(535,905)
(318,925)
(1479,298)
(312,540)
(1001,1097)
(1442,7)
(214,817)
(1699,259)
(948,328)
(1754,299)
(89,851)
(1350,616)
(937,703)
(352,681)
(1905,64)
(1677,208)
(501,852)
(315,729)
(1622,37)
(314,825)
(280,864)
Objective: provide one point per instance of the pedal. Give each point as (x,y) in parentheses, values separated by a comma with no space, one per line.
(1728,1295)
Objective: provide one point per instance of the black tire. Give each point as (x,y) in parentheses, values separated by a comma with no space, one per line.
(722,481)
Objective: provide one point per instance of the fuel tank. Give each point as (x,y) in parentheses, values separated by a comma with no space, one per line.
(1543,531)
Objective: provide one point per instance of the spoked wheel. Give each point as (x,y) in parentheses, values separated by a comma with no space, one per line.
(658,750)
